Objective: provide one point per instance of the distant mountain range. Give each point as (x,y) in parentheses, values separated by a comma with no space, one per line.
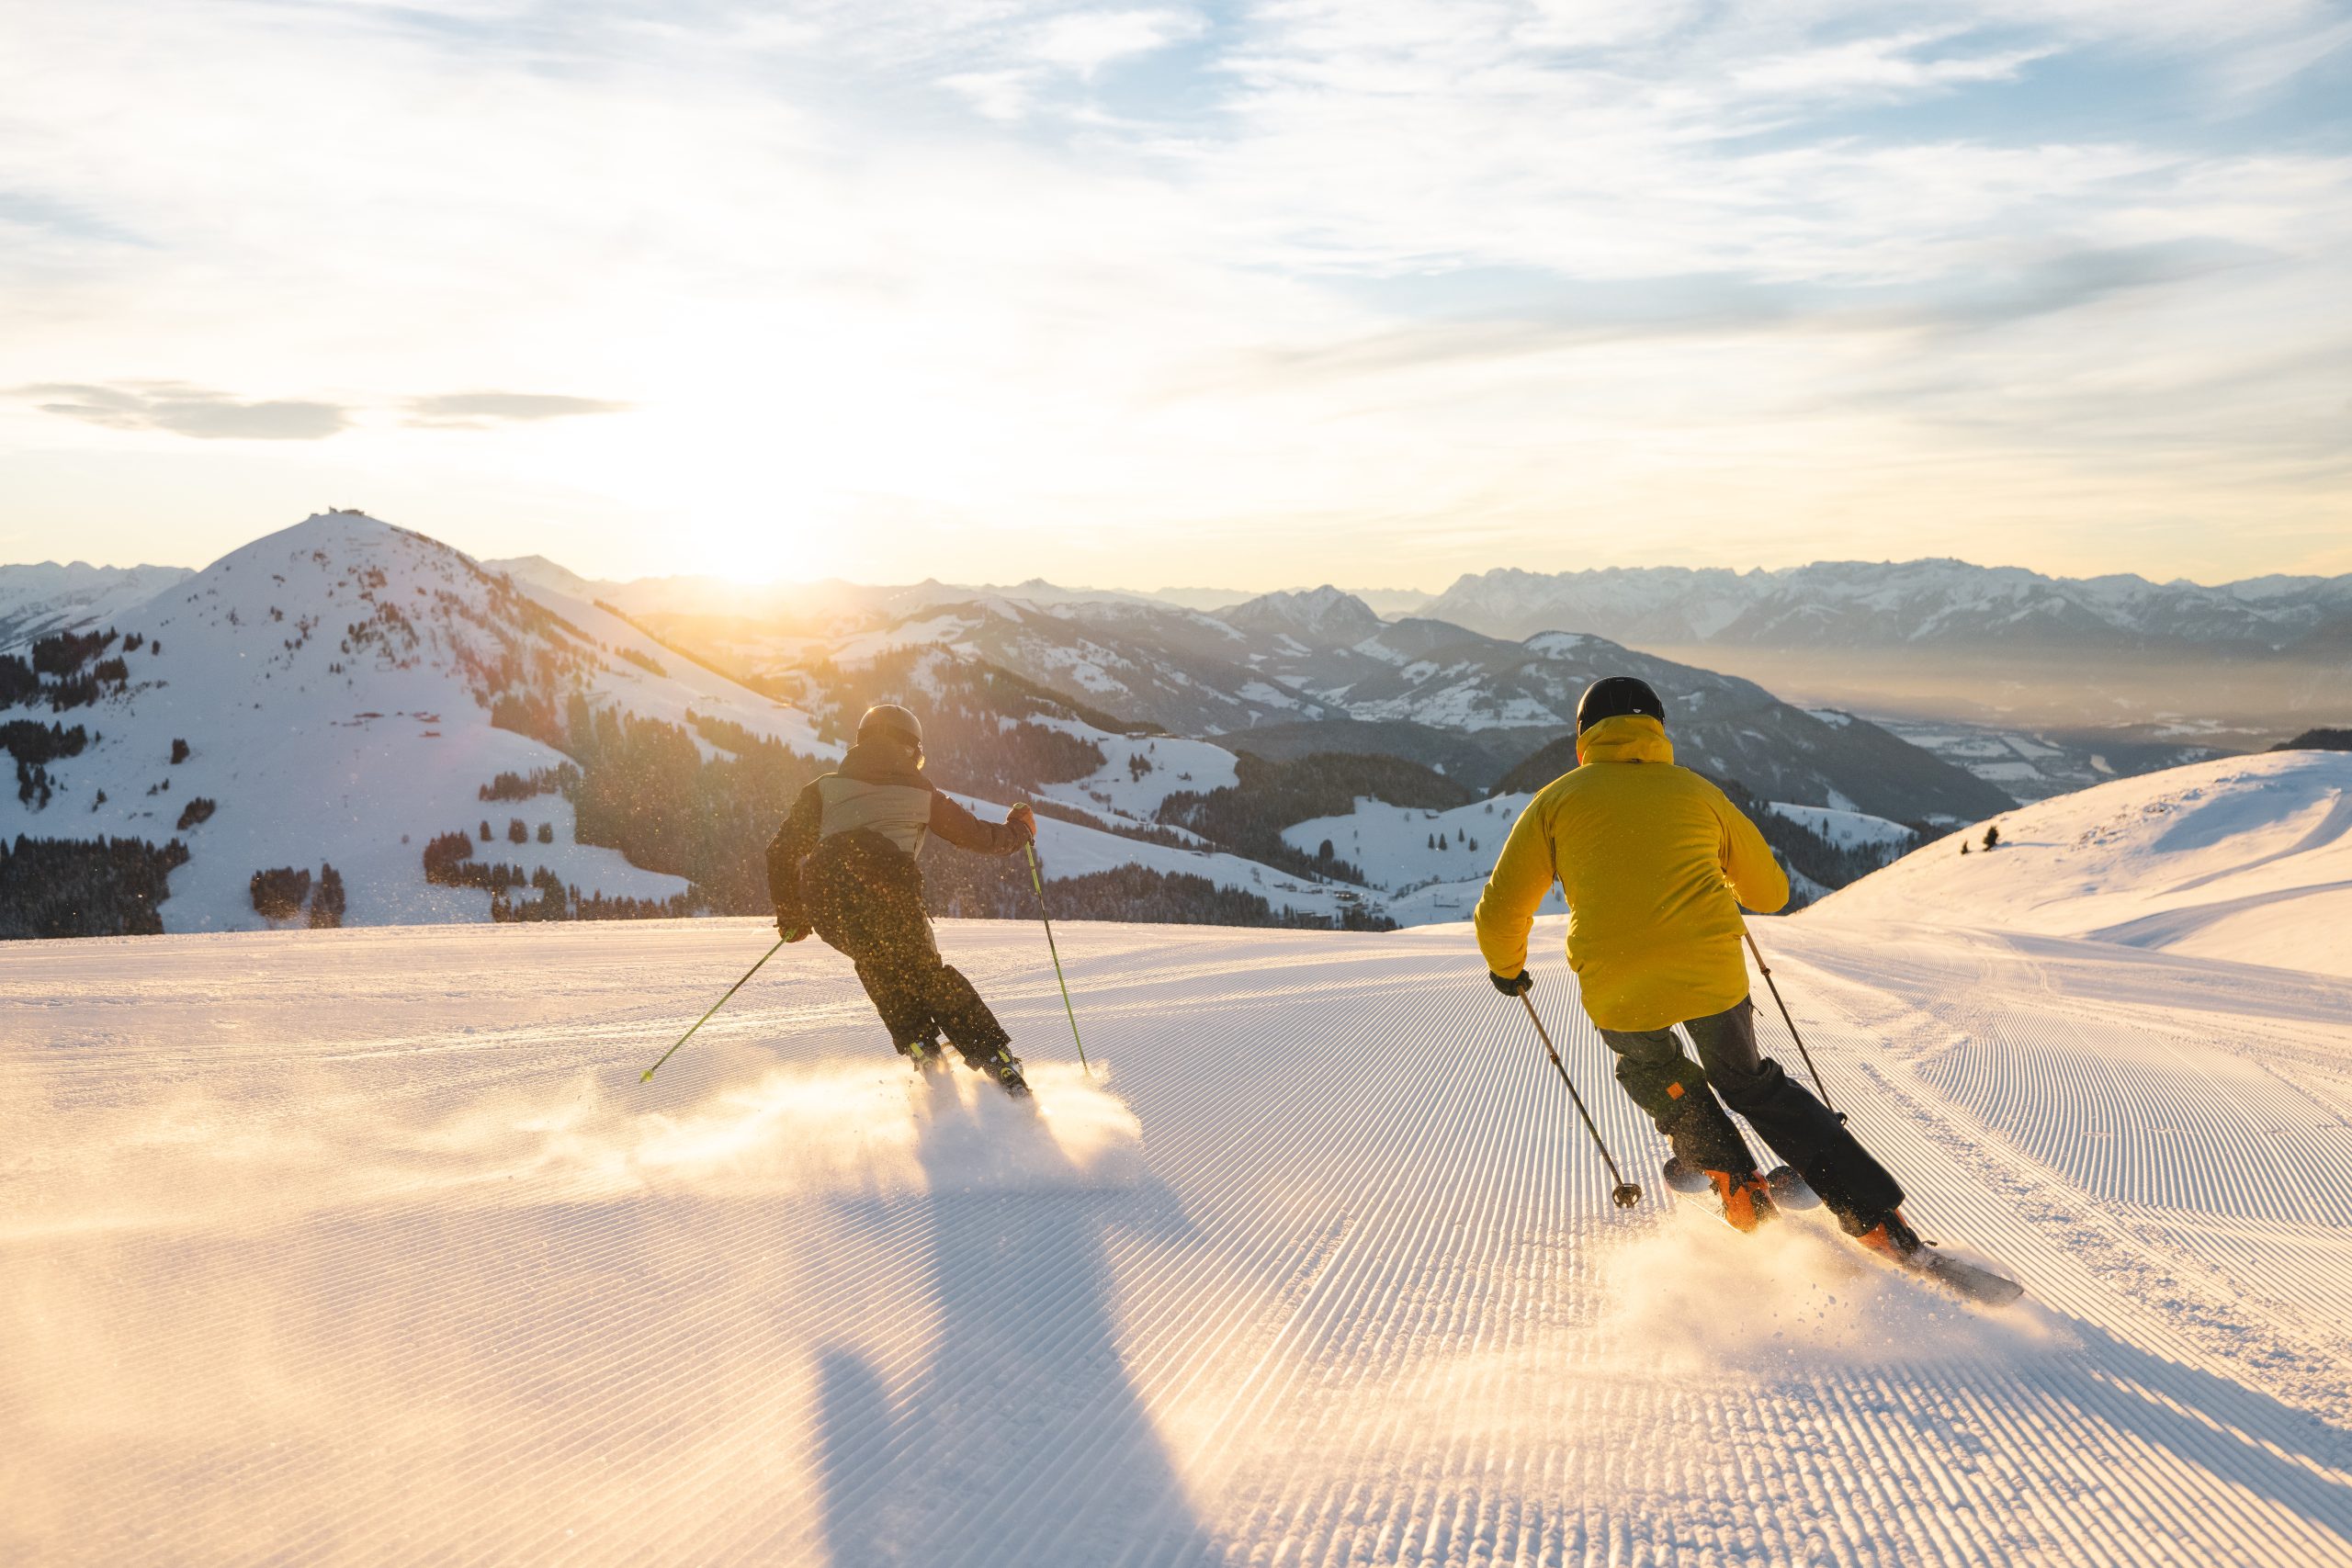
(1942,603)
(47,597)
(2115,667)
(1320,671)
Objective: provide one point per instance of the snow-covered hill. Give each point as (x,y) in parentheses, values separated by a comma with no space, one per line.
(48,597)
(331,683)
(2248,858)
(369,1246)
(327,694)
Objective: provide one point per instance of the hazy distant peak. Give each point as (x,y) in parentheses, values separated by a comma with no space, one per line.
(46,597)
(1935,600)
(541,572)
(1325,616)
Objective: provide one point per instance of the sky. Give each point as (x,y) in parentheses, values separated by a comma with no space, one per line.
(1244,295)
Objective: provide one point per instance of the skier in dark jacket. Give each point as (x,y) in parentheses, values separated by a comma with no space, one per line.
(1654,863)
(843,864)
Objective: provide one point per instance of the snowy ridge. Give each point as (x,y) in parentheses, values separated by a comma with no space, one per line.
(2249,858)
(1846,830)
(1883,604)
(35,601)
(1321,1273)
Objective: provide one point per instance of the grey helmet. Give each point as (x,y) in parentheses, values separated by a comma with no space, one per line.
(890,719)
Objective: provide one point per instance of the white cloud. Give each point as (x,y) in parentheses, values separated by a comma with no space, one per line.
(1085,41)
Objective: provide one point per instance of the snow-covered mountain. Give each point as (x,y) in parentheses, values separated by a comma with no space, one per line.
(344,693)
(2246,858)
(1888,603)
(324,696)
(1286,662)
(47,597)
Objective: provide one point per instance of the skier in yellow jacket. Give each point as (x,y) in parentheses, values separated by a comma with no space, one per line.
(1654,863)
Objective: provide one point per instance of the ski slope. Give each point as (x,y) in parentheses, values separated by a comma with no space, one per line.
(366,1246)
(2244,858)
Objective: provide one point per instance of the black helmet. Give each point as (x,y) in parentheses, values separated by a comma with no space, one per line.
(890,719)
(1613,695)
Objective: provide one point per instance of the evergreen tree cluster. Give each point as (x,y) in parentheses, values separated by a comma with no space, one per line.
(327,899)
(959,885)
(198,809)
(280,894)
(1248,816)
(53,670)
(646,790)
(34,746)
(64,653)
(525,786)
(53,887)
(449,863)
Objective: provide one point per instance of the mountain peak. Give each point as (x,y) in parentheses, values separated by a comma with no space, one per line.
(1325,616)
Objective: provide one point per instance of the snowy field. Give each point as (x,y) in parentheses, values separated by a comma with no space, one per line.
(2247,858)
(367,1246)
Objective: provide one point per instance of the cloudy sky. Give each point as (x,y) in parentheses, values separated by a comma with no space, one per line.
(1247,295)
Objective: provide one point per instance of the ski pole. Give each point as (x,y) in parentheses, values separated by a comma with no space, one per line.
(1822,1088)
(1039,882)
(1624,1194)
(646,1076)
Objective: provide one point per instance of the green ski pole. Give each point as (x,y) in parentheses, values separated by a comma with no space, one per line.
(646,1076)
(1039,882)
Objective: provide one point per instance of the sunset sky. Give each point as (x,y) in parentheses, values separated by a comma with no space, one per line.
(1247,295)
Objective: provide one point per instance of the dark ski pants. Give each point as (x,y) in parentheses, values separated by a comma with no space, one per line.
(865,897)
(1676,1092)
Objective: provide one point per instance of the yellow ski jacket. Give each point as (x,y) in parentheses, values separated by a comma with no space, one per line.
(1654,863)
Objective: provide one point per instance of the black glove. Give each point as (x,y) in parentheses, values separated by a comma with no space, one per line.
(1517,985)
(788,929)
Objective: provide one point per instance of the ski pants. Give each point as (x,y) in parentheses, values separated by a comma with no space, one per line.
(864,896)
(1806,1133)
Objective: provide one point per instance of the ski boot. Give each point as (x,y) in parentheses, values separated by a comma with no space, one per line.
(1004,1068)
(930,1058)
(1744,1202)
(1892,1237)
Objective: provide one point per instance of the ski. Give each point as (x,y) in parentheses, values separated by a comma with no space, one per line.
(1966,1280)
(1970,1282)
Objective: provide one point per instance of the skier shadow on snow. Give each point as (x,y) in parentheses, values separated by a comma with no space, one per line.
(2237,1434)
(1023,1437)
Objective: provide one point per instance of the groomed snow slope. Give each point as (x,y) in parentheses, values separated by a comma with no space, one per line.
(366,1246)
(2247,858)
